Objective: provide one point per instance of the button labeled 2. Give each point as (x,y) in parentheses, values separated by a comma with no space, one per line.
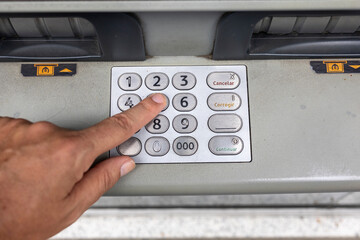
(157,81)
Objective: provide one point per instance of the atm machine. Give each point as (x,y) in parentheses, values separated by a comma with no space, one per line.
(263,95)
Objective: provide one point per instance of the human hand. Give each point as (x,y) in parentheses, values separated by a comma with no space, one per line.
(45,180)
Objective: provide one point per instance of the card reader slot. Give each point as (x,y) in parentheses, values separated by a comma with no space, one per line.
(100,37)
(266,35)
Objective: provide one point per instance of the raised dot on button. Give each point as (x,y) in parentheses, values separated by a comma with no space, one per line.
(131,147)
(185,146)
(224,101)
(157,146)
(184,102)
(223,80)
(129,81)
(127,101)
(225,123)
(184,123)
(159,124)
(226,145)
(184,81)
(156,81)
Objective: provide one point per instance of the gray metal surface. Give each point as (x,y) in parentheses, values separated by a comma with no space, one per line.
(175,5)
(200,102)
(304,127)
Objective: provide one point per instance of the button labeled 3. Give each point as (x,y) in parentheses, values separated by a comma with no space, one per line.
(226,145)
(157,146)
(127,101)
(184,81)
(223,80)
(224,101)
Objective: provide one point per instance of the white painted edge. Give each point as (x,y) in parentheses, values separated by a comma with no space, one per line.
(210,223)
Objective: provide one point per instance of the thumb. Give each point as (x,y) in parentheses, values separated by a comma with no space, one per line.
(99,179)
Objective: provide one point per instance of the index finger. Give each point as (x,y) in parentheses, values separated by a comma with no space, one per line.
(115,130)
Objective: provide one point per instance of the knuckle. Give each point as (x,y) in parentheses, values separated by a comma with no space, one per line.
(42,127)
(106,181)
(123,121)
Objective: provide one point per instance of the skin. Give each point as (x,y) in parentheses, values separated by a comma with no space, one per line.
(45,178)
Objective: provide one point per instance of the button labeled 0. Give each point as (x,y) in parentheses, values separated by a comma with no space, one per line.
(224,101)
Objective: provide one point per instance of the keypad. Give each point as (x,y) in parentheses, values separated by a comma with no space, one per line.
(206,118)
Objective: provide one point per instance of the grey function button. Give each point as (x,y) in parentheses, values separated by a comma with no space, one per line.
(184,102)
(157,146)
(157,81)
(225,123)
(184,123)
(159,124)
(226,145)
(185,146)
(223,80)
(131,147)
(127,101)
(129,81)
(184,81)
(224,101)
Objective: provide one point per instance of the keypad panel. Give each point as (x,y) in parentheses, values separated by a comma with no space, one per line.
(206,120)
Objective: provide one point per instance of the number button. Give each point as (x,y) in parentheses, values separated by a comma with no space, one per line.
(184,123)
(127,101)
(157,81)
(159,124)
(157,146)
(129,81)
(184,102)
(185,146)
(184,81)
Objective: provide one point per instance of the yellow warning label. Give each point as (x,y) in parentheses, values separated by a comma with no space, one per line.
(45,70)
(66,70)
(334,67)
(354,66)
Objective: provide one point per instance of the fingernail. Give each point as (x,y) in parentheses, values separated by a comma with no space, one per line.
(127,167)
(158,98)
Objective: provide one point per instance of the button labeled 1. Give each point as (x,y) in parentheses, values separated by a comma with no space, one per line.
(129,81)
(127,101)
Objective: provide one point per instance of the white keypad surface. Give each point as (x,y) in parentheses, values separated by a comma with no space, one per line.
(207,118)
